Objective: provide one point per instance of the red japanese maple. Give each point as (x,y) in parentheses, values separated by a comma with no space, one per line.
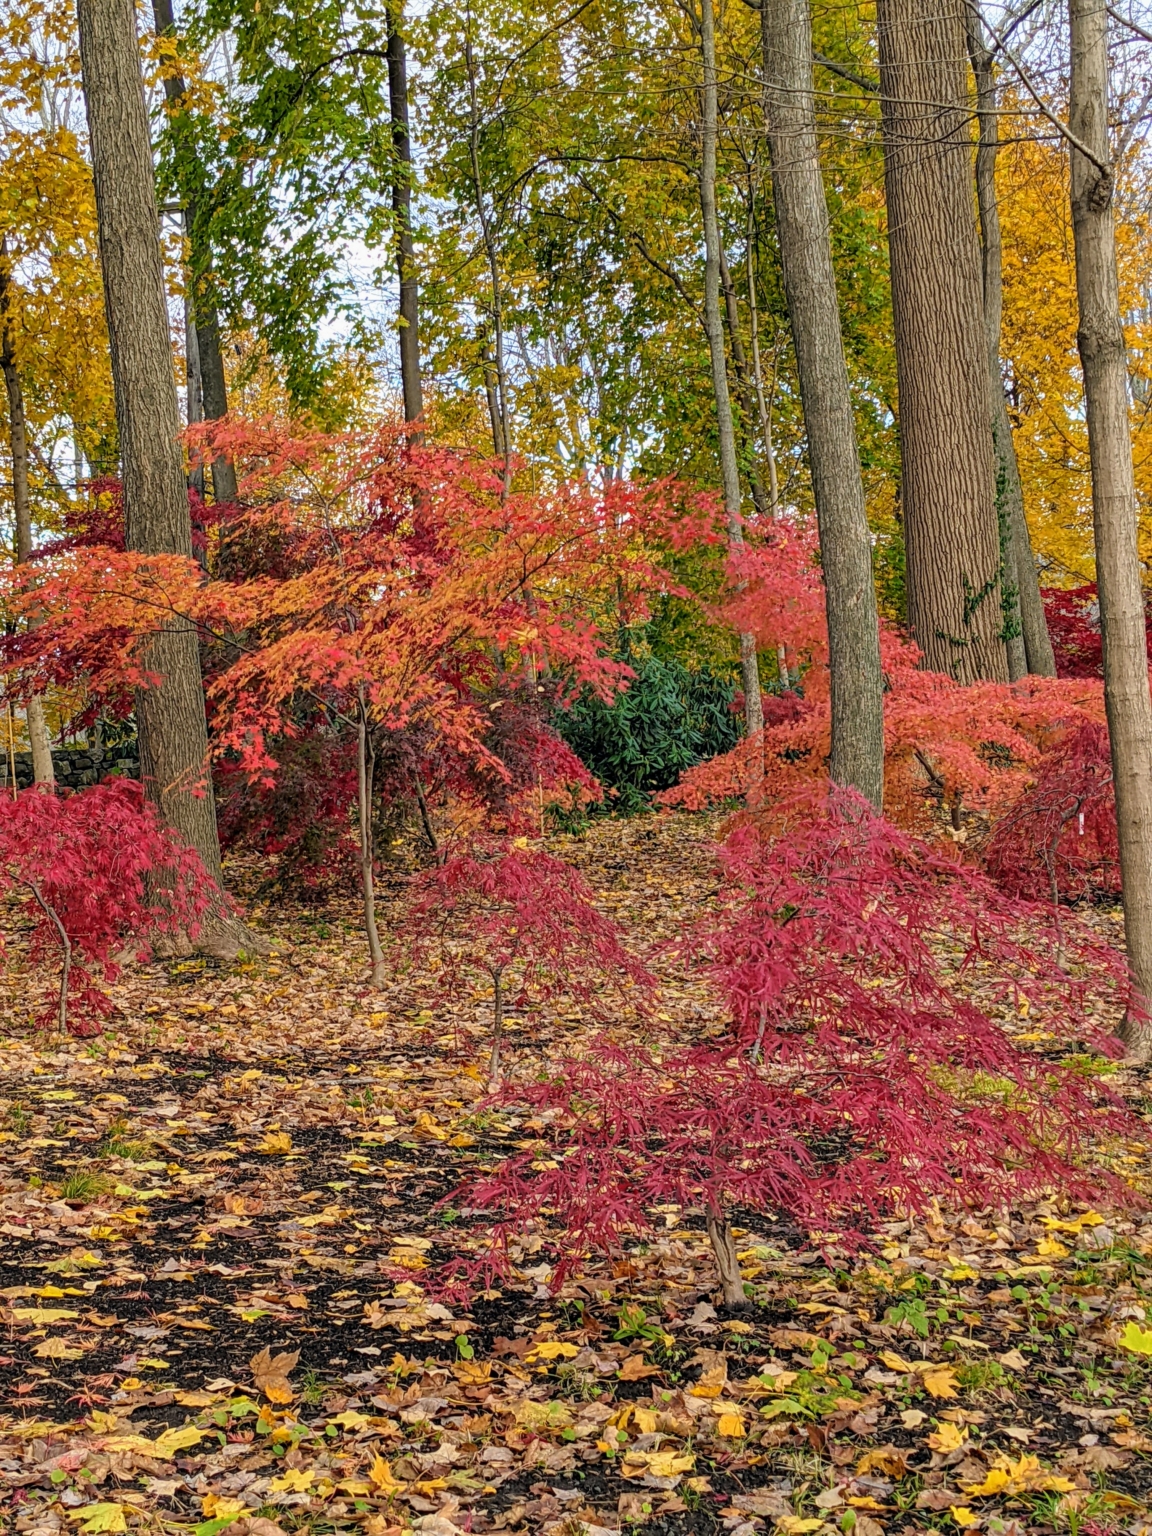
(95,872)
(526,921)
(870,1067)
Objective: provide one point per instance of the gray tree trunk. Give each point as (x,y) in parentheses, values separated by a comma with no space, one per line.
(714,328)
(209,355)
(857,757)
(402,212)
(1104,360)
(42,771)
(170,717)
(948,475)
(1026,630)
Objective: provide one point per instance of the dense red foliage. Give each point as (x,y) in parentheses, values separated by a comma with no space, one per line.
(856,1081)
(1058,841)
(524,920)
(94,872)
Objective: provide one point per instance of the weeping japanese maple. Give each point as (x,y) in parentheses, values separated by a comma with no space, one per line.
(870,1067)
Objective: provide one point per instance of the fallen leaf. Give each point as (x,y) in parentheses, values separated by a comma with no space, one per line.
(947,1438)
(731,1426)
(940,1381)
(1137,1339)
(270,1373)
(551,1349)
(294,1480)
(636,1368)
(276,1144)
(100,1517)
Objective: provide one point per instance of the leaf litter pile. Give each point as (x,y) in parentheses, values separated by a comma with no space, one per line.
(223,1219)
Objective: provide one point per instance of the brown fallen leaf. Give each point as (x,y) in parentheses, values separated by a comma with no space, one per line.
(270,1373)
(636,1368)
(887,1459)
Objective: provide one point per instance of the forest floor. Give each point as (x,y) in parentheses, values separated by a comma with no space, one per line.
(215,1220)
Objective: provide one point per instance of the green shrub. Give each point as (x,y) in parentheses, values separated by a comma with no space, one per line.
(666,720)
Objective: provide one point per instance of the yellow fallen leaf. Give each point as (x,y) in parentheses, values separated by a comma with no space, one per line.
(711,1383)
(294,1480)
(42,1315)
(646,1420)
(793,1525)
(1023,1476)
(669,1463)
(1049,1248)
(381,1477)
(350,1419)
(215,1508)
(964,1517)
(56,1349)
(100,1517)
(948,1437)
(550,1349)
(173,1440)
(1137,1339)
(276,1143)
(940,1381)
(894,1362)
(731,1426)
(963,1272)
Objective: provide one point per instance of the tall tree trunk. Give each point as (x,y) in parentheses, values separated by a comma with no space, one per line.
(763,500)
(365,774)
(714,328)
(857,757)
(1103,357)
(42,771)
(1026,628)
(948,476)
(210,357)
(402,212)
(170,717)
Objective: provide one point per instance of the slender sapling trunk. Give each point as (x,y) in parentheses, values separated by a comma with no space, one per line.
(727,1264)
(365,769)
(497,974)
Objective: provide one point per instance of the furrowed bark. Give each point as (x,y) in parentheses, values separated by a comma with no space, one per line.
(409,316)
(1103,356)
(948,477)
(857,756)
(1030,650)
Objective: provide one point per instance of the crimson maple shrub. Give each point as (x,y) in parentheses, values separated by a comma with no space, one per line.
(94,872)
(1058,840)
(869,1068)
(524,920)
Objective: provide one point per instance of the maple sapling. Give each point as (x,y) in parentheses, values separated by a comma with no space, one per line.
(526,921)
(96,871)
(861,1076)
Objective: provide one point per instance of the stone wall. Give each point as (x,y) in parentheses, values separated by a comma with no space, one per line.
(74,766)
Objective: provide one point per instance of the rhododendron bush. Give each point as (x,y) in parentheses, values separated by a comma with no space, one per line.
(92,873)
(869,1068)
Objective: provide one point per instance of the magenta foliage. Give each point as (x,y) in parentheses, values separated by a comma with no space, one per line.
(1073,615)
(81,863)
(523,912)
(856,1080)
(1058,840)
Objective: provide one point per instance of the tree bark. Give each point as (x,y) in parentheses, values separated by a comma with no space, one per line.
(497,1026)
(42,771)
(409,318)
(857,757)
(1103,356)
(198,278)
(170,717)
(948,477)
(727,1264)
(1026,628)
(714,328)
(365,773)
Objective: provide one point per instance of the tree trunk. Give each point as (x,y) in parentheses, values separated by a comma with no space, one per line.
(1104,360)
(948,477)
(857,756)
(1025,628)
(365,773)
(42,771)
(727,1264)
(714,328)
(402,212)
(763,499)
(497,1025)
(170,717)
(210,358)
